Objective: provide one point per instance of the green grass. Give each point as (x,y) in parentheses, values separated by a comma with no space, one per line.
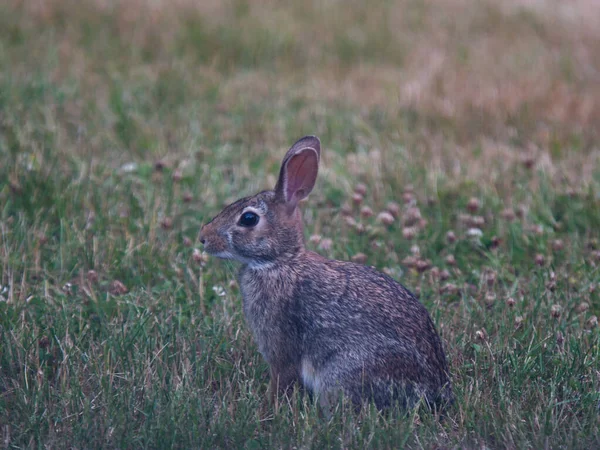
(121,133)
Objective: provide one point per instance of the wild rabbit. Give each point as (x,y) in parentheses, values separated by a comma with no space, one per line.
(335,327)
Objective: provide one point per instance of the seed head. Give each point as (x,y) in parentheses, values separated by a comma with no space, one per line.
(44,342)
(537,229)
(473,205)
(472,221)
(496,241)
(592,322)
(346,209)
(519,321)
(359,258)
(540,260)
(357,198)
(408,197)
(376,245)
(450,260)
(477,221)
(326,244)
(166,223)
(423,265)
(199,257)
(555,310)
(490,298)
(92,276)
(481,335)
(187,196)
(510,302)
(508,214)
(385,217)
(350,221)
(451,237)
(393,208)
(118,288)
(361,189)
(177,175)
(411,216)
(410,261)
(583,307)
(365,211)
(449,288)
(68,288)
(315,239)
(409,233)
(444,275)
(558,245)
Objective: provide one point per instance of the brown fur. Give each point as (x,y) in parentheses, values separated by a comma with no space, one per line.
(332,326)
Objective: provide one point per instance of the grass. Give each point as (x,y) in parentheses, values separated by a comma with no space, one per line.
(125,125)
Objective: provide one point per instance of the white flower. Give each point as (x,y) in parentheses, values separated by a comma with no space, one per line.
(219,291)
(474,232)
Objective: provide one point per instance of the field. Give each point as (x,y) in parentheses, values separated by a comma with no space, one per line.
(125,125)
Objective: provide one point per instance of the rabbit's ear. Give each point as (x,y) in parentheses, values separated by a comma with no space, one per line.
(299,171)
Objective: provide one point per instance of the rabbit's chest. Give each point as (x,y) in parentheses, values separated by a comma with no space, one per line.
(269,312)
(265,325)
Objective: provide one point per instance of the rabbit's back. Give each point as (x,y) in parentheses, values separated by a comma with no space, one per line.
(363,330)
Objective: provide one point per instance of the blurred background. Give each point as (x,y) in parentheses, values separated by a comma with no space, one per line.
(460,155)
(149,79)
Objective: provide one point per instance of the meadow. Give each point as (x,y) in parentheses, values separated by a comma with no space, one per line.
(460,155)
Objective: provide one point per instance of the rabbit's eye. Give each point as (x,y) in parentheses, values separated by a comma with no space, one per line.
(248,219)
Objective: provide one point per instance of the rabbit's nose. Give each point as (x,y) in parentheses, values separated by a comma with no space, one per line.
(202,237)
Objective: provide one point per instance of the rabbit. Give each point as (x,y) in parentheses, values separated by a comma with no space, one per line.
(336,328)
